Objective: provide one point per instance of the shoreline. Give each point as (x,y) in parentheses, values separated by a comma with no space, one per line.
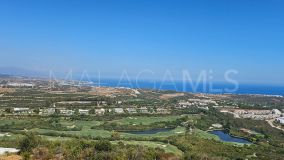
(208,93)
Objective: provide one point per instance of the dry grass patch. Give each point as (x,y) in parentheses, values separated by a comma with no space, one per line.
(10,157)
(169,96)
(6,90)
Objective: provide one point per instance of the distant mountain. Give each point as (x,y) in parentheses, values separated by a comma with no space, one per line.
(5,75)
(13,71)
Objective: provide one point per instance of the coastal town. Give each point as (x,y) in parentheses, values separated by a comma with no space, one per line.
(99,108)
(53,109)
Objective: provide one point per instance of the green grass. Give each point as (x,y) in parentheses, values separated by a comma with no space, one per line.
(78,123)
(205,134)
(144,120)
(11,136)
(52,138)
(178,130)
(83,132)
(15,121)
(87,131)
(168,148)
(106,134)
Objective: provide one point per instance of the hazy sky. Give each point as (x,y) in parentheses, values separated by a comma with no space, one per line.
(159,35)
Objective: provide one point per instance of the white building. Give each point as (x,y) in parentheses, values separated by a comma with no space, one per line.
(276,111)
(12,84)
(162,111)
(100,111)
(204,108)
(84,111)
(66,112)
(47,111)
(118,110)
(280,120)
(217,125)
(143,110)
(22,111)
(131,110)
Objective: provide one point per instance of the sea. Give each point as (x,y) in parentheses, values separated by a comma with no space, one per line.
(210,88)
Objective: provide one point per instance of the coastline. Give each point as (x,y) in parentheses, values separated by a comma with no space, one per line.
(189,91)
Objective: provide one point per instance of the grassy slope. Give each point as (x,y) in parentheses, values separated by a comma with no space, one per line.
(167,147)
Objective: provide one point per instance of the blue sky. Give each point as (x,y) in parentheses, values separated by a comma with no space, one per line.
(133,35)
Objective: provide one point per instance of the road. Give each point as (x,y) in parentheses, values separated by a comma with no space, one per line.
(270,122)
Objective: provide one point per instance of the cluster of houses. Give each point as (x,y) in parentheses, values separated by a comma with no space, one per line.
(18,84)
(254,114)
(199,103)
(22,111)
(96,111)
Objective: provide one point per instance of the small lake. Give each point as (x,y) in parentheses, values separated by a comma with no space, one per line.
(152,131)
(225,137)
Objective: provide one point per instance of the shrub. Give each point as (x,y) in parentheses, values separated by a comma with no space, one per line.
(29,142)
(103,145)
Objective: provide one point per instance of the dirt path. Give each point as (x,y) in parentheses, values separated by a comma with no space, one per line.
(10,157)
(270,122)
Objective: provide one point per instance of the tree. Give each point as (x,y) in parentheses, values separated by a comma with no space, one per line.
(8,110)
(29,142)
(36,111)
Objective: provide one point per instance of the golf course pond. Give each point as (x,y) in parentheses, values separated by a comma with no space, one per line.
(151,131)
(225,137)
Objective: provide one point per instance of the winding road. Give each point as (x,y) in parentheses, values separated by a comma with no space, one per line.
(270,122)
